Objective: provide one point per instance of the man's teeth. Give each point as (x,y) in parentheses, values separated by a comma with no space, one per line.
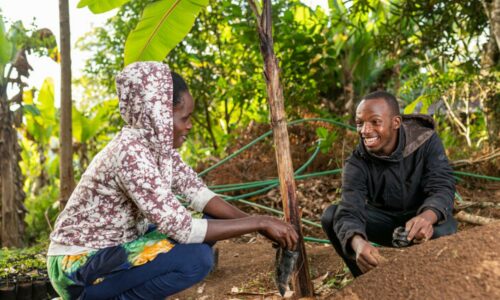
(371,140)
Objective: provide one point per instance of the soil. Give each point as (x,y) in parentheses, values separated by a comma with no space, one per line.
(462,266)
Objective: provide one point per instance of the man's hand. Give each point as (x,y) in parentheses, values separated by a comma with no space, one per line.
(367,256)
(420,227)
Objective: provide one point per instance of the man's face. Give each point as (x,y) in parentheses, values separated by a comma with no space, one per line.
(377,127)
(182,119)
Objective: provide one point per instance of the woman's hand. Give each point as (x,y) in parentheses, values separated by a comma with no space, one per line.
(278,231)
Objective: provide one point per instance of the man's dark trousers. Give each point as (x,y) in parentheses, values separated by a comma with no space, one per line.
(379,228)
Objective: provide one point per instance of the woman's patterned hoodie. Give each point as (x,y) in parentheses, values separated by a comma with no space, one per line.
(131,182)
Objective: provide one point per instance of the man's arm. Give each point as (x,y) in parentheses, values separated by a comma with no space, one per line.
(350,218)
(437,180)
(439,186)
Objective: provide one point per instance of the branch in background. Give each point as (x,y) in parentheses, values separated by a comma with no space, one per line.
(465,162)
(462,216)
(455,119)
(466,204)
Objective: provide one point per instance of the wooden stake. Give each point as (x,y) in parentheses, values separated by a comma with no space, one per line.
(301,281)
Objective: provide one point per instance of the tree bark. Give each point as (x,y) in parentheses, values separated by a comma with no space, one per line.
(348,87)
(10,236)
(301,281)
(67,183)
(489,60)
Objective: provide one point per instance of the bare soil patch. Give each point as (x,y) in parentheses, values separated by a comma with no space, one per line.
(462,266)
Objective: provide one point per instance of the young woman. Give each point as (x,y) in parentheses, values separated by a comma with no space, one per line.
(123,234)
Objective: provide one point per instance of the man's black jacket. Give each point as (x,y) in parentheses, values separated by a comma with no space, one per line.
(415,177)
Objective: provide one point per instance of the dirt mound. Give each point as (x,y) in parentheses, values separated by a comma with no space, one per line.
(462,266)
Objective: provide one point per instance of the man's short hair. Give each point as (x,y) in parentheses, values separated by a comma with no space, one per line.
(388,98)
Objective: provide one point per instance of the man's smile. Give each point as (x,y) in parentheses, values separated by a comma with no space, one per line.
(371,141)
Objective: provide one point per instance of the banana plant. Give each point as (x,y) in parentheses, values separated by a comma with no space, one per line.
(14,68)
(163,25)
(87,128)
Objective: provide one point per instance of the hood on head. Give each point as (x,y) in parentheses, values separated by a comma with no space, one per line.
(145,93)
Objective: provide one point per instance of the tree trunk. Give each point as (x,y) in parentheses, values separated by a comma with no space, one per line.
(10,236)
(301,281)
(348,87)
(66,150)
(489,60)
(495,21)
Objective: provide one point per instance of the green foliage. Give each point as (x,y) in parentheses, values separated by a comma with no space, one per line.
(428,53)
(163,25)
(42,210)
(326,139)
(101,6)
(5,45)
(29,262)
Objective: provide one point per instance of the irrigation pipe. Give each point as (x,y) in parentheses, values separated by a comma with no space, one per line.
(272,183)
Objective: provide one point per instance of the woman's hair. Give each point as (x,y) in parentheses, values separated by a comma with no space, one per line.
(180,86)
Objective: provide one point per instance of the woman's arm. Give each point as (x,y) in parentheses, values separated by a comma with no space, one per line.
(233,222)
(220,209)
(281,232)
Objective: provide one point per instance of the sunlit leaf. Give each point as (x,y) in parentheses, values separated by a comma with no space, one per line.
(46,99)
(101,6)
(31,109)
(28,96)
(410,108)
(55,55)
(162,26)
(5,45)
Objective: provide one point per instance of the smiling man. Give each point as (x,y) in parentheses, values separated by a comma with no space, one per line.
(397,176)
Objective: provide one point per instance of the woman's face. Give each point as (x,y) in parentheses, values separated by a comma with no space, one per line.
(182,118)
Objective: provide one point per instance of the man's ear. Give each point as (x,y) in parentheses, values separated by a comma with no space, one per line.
(396,122)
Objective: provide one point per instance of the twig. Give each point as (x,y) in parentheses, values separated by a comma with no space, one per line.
(46,214)
(254,293)
(462,216)
(459,163)
(441,251)
(465,204)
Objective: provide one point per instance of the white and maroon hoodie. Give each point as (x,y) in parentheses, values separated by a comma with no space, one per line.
(132,182)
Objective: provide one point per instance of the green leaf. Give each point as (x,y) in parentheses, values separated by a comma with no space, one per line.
(410,108)
(31,109)
(101,6)
(162,26)
(46,99)
(5,45)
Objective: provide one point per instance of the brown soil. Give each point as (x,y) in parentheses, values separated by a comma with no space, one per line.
(462,266)
(246,271)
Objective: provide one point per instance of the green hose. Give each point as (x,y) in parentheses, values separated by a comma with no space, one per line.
(266,185)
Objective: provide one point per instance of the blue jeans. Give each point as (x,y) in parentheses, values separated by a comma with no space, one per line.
(150,267)
(167,274)
(379,228)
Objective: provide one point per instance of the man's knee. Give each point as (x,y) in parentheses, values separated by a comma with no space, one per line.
(447,228)
(327,218)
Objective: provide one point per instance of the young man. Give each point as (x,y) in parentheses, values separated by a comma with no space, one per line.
(398,176)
